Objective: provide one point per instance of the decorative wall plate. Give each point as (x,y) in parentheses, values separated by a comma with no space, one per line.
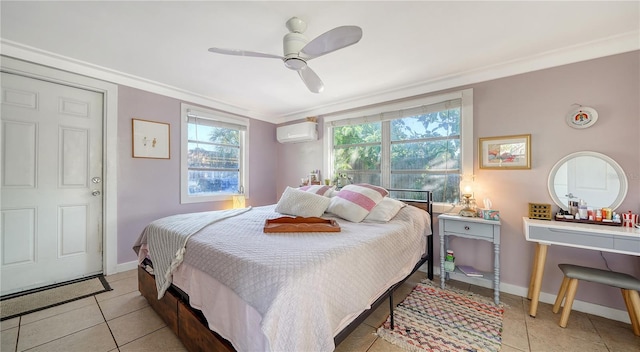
(582,117)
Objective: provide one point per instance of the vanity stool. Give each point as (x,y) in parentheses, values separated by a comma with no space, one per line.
(627,283)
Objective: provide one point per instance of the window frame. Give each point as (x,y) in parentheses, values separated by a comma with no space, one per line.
(187,110)
(466,132)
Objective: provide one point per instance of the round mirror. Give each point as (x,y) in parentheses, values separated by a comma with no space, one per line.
(591,176)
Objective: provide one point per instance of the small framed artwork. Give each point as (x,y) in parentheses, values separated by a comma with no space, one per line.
(506,152)
(150,139)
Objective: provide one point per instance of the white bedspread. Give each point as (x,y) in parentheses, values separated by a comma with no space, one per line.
(304,284)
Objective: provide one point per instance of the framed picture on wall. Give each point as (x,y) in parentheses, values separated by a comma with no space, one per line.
(506,152)
(150,139)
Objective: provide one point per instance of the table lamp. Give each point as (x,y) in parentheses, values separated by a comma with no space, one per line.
(239,200)
(467,201)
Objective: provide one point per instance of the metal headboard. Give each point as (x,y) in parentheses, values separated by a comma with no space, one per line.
(424,200)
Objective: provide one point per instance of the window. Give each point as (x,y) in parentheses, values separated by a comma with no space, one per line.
(213,155)
(423,144)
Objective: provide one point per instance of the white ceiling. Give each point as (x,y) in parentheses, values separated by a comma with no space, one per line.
(408,48)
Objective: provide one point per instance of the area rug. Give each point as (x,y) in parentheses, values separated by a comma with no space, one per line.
(432,319)
(31,301)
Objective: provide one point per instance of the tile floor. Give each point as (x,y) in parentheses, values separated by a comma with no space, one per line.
(121,320)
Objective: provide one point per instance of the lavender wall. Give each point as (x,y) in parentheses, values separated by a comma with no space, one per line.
(149,189)
(536,103)
(296,160)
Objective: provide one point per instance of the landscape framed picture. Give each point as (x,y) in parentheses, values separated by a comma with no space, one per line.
(506,152)
(150,139)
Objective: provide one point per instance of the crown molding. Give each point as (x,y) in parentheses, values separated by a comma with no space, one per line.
(618,44)
(625,42)
(27,53)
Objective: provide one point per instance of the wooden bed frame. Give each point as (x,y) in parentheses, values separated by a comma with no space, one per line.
(191,327)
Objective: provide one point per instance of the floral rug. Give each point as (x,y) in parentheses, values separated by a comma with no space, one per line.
(432,319)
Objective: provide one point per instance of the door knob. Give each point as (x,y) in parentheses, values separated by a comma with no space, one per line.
(95,192)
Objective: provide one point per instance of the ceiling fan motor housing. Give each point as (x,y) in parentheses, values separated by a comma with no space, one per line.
(293,43)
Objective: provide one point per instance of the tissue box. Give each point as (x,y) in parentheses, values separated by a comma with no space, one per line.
(489,214)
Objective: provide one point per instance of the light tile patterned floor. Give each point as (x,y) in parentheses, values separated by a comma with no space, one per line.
(121,320)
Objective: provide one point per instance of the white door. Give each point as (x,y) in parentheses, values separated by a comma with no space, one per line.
(51,146)
(592,179)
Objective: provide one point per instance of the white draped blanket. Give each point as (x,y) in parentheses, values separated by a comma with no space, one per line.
(304,284)
(167,238)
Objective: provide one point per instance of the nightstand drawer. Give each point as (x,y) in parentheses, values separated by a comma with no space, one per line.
(470,229)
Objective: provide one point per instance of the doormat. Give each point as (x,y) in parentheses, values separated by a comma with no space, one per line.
(433,319)
(34,300)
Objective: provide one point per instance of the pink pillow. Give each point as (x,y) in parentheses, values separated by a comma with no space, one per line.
(318,189)
(355,202)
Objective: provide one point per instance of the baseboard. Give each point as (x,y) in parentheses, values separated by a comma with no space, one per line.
(580,306)
(126,266)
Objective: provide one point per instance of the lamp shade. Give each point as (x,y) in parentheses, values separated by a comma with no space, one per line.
(238,201)
(466,185)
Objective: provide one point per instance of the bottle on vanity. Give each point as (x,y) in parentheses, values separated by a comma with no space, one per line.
(583,213)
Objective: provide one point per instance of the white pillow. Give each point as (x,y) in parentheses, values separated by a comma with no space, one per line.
(318,189)
(355,202)
(385,210)
(301,203)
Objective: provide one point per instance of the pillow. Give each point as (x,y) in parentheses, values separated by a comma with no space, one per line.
(301,203)
(355,202)
(385,210)
(318,189)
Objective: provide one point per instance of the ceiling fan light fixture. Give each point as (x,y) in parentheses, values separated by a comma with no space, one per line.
(295,63)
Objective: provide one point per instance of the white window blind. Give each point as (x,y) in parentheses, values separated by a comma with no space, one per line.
(202,118)
(398,114)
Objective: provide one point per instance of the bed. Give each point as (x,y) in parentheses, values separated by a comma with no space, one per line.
(224,284)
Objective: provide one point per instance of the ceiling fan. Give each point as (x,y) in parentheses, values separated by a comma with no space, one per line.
(298,49)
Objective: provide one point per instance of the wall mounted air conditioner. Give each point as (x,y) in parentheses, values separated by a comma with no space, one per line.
(296,133)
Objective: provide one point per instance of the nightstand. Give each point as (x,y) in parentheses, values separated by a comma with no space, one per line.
(474,228)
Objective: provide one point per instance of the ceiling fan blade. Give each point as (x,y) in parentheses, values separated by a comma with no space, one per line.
(337,38)
(311,79)
(243,53)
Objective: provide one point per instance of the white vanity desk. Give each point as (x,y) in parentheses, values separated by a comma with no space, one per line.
(614,239)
